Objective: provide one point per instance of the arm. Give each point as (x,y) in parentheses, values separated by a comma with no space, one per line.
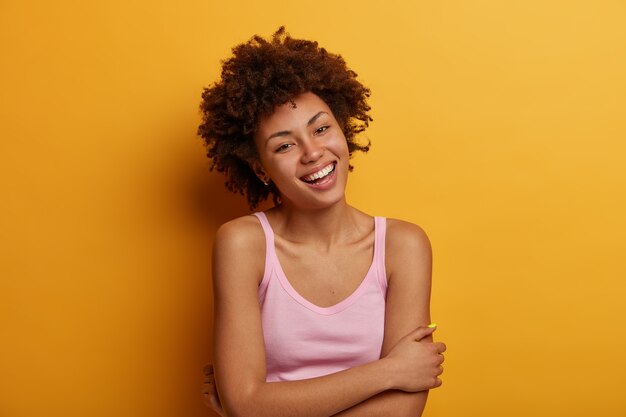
(409,266)
(239,349)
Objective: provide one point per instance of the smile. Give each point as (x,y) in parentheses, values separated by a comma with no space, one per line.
(319,175)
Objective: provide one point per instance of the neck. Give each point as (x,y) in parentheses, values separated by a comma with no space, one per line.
(325,226)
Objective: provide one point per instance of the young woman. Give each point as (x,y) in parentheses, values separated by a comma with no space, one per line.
(320,308)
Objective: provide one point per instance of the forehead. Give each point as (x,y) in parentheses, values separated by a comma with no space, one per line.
(293,113)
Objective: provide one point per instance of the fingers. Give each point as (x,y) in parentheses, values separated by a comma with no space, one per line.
(421,332)
(207,394)
(208,369)
(440,350)
(208,385)
(210,394)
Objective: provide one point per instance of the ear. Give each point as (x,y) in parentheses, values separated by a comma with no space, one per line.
(259,171)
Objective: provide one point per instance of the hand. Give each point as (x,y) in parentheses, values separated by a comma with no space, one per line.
(415,363)
(209,391)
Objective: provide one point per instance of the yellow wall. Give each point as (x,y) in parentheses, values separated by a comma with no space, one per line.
(499,127)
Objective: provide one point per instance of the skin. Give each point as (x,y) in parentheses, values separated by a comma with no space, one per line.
(315,222)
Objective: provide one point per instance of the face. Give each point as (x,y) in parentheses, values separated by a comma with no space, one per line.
(303,150)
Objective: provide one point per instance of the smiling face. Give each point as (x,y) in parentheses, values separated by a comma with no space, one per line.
(303,150)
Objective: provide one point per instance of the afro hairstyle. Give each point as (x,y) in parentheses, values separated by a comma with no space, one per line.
(261,75)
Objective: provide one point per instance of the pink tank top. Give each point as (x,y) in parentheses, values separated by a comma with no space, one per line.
(303,340)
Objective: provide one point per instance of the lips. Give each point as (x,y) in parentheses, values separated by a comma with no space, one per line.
(319,175)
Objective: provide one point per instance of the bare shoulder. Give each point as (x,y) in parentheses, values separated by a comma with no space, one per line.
(241,233)
(408,252)
(241,239)
(408,263)
(406,238)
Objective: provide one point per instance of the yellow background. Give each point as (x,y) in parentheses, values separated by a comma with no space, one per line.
(499,127)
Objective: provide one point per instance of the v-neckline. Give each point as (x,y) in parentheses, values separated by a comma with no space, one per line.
(335,308)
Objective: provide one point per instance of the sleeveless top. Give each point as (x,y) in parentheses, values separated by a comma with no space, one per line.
(303,340)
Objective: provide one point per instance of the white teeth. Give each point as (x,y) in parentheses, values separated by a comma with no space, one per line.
(320,174)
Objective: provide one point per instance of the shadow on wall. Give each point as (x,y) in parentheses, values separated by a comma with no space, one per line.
(210,203)
(203,203)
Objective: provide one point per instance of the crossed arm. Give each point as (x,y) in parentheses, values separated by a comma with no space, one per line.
(396,384)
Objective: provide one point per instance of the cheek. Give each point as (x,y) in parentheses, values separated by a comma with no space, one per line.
(280,167)
(342,147)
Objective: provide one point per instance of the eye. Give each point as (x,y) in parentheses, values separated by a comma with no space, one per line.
(321,130)
(284,147)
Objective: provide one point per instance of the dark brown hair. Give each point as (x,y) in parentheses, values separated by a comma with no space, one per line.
(261,75)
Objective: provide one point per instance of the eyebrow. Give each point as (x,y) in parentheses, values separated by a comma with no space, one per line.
(287,132)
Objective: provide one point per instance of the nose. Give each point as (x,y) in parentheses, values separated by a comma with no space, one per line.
(312,150)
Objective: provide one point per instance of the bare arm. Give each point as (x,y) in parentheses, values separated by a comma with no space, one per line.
(409,267)
(240,354)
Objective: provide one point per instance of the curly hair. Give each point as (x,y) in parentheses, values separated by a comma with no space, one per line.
(261,75)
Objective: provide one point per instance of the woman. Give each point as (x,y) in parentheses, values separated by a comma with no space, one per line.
(316,302)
